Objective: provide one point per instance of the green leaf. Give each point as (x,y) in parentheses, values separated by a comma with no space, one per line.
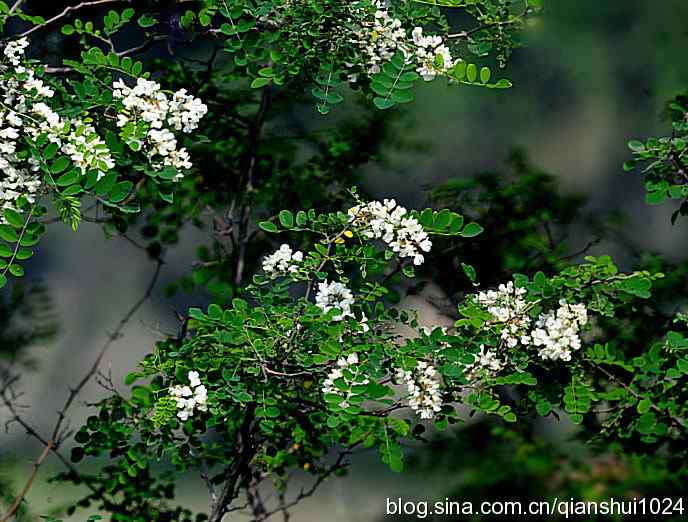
(655,198)
(643,406)
(502,84)
(13,217)
(471,230)
(23,254)
(383,103)
(7,233)
(69,178)
(459,70)
(16,270)
(260,82)
(50,151)
(636,146)
(471,72)
(485,74)
(408,271)
(405,96)
(147,21)
(131,378)
(469,271)
(59,165)
(286,219)
(105,184)
(268,226)
(638,286)
(543,407)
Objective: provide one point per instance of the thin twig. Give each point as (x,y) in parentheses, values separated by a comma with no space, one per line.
(638,396)
(239,468)
(69,9)
(305,493)
(30,430)
(143,47)
(54,441)
(246,185)
(16,6)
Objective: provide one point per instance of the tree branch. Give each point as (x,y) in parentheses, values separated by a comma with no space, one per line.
(53,443)
(16,6)
(305,493)
(67,10)
(246,186)
(239,468)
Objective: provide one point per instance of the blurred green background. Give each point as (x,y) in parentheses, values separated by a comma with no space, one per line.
(592,75)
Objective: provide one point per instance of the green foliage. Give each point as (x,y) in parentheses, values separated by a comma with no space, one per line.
(394,83)
(519,464)
(467,73)
(267,359)
(498,24)
(664,160)
(291,378)
(18,234)
(92,518)
(327,82)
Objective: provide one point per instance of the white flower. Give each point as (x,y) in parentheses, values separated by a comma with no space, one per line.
(41,90)
(87,150)
(282,261)
(14,50)
(433,56)
(334,295)
(508,307)
(486,363)
(27,115)
(147,101)
(194,379)
(381,36)
(180,160)
(185,111)
(190,398)
(423,388)
(348,375)
(557,332)
(391,223)
(9,133)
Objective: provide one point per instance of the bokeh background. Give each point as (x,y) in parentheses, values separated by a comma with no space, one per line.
(592,75)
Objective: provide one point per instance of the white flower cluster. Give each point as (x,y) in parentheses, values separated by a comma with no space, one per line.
(557,332)
(14,51)
(282,261)
(147,102)
(349,374)
(433,56)
(382,36)
(507,306)
(486,363)
(423,387)
(335,295)
(191,397)
(24,113)
(392,224)
(85,147)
